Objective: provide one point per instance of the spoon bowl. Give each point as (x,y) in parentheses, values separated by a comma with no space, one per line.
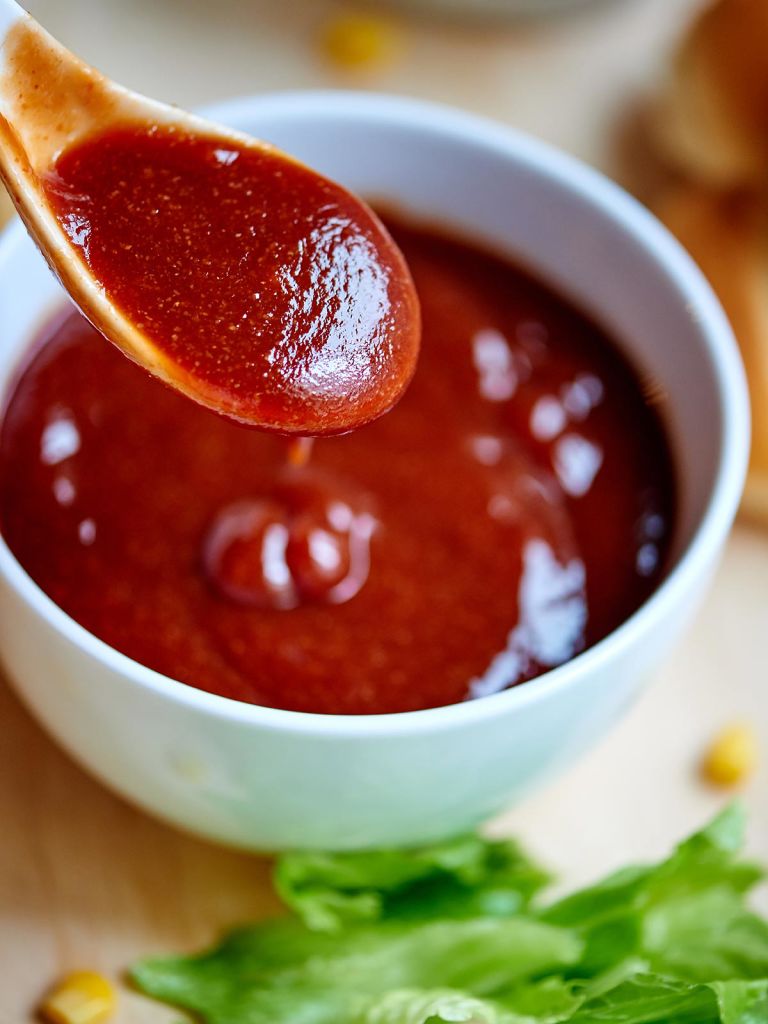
(344,364)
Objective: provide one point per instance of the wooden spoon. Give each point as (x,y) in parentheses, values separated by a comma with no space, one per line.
(311,328)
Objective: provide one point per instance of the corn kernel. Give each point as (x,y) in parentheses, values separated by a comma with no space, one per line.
(83,997)
(732,757)
(359,40)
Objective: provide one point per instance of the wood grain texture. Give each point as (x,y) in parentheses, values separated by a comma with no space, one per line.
(85,880)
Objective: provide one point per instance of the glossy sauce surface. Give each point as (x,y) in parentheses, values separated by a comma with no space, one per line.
(514,508)
(275,296)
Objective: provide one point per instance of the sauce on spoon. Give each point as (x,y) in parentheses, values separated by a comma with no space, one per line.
(234,273)
(275,294)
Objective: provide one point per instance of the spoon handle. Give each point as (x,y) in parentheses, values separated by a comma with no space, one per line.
(37,86)
(49,98)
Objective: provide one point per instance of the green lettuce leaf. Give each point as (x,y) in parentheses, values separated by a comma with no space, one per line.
(742,1002)
(708,857)
(685,916)
(414,1006)
(464,877)
(546,1002)
(650,999)
(453,933)
(258,976)
(654,999)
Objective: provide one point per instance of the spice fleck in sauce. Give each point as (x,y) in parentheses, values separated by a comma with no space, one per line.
(273,295)
(514,508)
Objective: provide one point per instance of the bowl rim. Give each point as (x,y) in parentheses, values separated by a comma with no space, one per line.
(642,229)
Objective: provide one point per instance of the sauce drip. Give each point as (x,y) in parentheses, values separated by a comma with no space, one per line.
(271,294)
(307,542)
(515,507)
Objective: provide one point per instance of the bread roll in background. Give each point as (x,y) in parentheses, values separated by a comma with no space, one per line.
(710,128)
(727,234)
(712,122)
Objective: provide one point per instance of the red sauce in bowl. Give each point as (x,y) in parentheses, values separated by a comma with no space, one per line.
(273,295)
(512,510)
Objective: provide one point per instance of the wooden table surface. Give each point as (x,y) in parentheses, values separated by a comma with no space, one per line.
(86,880)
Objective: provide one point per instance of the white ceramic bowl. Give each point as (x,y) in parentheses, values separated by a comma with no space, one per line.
(268,779)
